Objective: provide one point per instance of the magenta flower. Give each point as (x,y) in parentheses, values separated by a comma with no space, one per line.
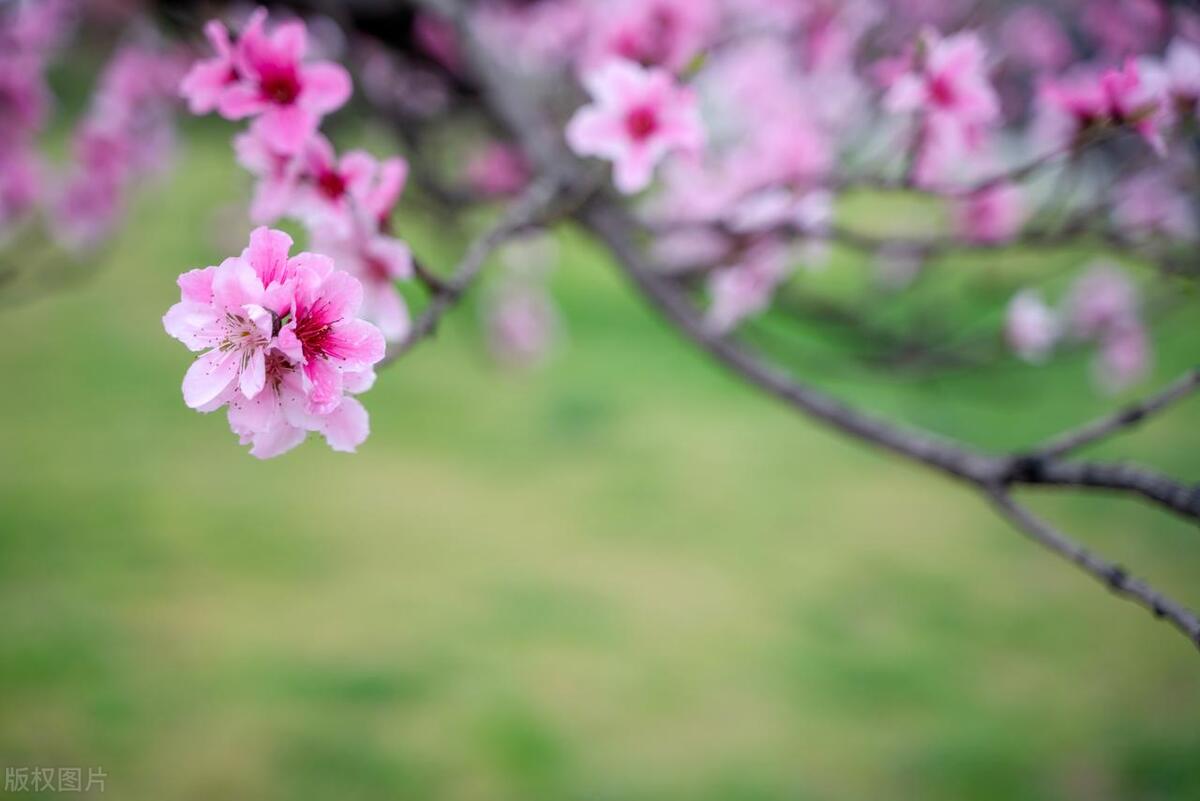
(1085,101)
(323,334)
(950,80)
(288,98)
(639,117)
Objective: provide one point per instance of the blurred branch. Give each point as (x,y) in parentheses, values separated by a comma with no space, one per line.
(1126,418)
(1107,573)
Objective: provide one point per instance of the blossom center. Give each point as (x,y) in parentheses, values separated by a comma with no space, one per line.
(282,87)
(331,184)
(641,122)
(941,90)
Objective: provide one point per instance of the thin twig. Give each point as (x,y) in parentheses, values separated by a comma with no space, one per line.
(528,209)
(1104,427)
(1107,573)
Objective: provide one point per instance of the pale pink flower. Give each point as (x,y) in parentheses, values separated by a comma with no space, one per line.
(1178,76)
(639,117)
(1032,328)
(653,33)
(324,335)
(522,323)
(231,312)
(746,288)
(1124,356)
(497,169)
(1151,204)
(1101,300)
(287,97)
(991,215)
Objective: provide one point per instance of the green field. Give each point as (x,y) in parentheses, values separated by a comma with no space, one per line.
(624,576)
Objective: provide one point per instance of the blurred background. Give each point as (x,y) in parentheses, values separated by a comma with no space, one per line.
(620,575)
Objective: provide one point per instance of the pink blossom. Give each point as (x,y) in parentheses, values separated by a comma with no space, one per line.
(639,117)
(521,323)
(1124,356)
(949,79)
(497,169)
(653,33)
(281,346)
(1032,327)
(287,97)
(278,418)
(324,197)
(1101,300)
(1150,203)
(1085,100)
(745,288)
(324,335)
(1178,76)
(24,98)
(368,252)
(230,312)
(991,215)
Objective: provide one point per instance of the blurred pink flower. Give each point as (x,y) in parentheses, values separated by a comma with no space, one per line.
(497,169)
(1102,299)
(286,97)
(638,117)
(948,77)
(1031,328)
(278,174)
(208,79)
(745,288)
(324,197)
(1084,100)
(991,215)
(1151,204)
(435,35)
(1124,356)
(653,33)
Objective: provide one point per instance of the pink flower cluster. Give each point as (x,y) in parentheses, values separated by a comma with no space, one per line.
(127,134)
(30,33)
(345,202)
(1102,306)
(284,347)
(281,346)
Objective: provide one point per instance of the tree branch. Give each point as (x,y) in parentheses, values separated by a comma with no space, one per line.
(1107,573)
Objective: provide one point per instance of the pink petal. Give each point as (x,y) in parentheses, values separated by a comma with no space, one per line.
(193,324)
(326,383)
(595,132)
(327,87)
(204,85)
(240,101)
(386,307)
(346,427)
(288,128)
(209,376)
(236,284)
(290,40)
(356,344)
(196,285)
(267,253)
(253,375)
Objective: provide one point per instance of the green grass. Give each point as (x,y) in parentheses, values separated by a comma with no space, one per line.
(624,576)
